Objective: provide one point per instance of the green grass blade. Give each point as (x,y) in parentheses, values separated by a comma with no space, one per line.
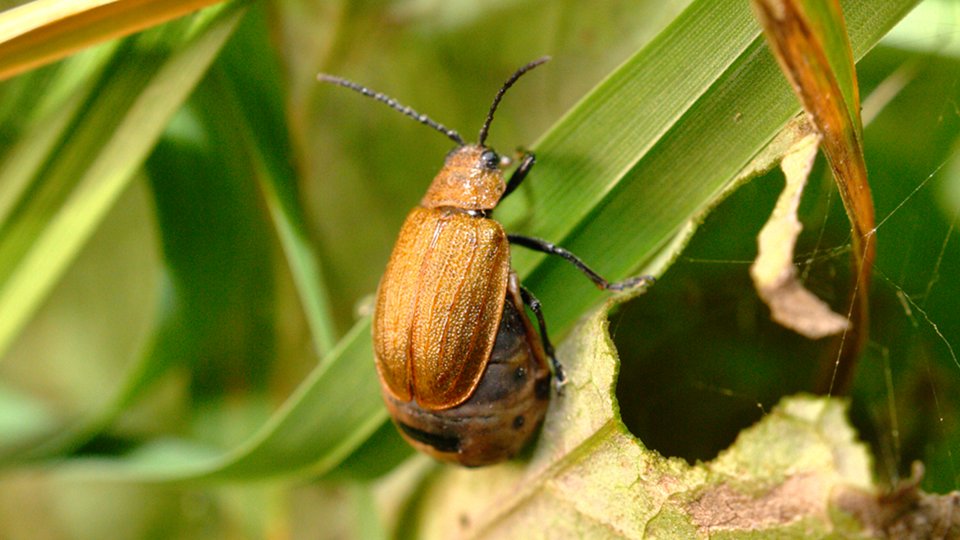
(678,169)
(258,101)
(343,390)
(63,89)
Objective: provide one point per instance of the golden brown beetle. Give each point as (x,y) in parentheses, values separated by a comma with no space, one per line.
(464,375)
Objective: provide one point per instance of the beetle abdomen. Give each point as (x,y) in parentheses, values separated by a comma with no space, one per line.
(439,306)
(495,422)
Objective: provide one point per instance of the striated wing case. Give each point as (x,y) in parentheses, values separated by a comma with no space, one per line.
(439,305)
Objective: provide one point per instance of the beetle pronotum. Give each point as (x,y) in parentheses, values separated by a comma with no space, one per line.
(463,373)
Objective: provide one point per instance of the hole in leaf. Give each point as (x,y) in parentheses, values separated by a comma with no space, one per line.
(703,359)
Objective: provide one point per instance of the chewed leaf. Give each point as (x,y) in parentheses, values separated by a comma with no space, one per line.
(589,474)
(773,272)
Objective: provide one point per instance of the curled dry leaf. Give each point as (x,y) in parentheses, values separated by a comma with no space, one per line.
(773,272)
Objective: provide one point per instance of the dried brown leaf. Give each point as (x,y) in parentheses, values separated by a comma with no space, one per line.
(773,272)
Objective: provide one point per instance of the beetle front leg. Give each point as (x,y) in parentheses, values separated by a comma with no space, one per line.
(520,173)
(560,378)
(551,249)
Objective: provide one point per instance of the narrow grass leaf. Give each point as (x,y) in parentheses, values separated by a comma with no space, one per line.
(42,31)
(258,101)
(677,170)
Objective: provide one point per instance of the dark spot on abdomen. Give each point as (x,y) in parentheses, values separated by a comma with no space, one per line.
(442,443)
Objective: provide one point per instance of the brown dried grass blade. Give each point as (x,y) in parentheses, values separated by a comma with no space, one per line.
(809,40)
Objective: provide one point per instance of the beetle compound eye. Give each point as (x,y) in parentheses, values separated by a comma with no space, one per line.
(490,160)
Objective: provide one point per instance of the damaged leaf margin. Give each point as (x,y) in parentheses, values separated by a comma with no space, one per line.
(588,473)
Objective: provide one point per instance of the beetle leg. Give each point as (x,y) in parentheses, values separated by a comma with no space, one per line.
(551,249)
(520,173)
(560,378)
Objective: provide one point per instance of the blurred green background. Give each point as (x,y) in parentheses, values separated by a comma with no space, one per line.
(183,317)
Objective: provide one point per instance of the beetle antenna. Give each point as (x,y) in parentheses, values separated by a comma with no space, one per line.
(503,90)
(392,103)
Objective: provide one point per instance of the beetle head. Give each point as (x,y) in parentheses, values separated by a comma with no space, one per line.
(472,176)
(471,179)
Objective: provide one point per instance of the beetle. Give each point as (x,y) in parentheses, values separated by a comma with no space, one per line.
(465,376)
